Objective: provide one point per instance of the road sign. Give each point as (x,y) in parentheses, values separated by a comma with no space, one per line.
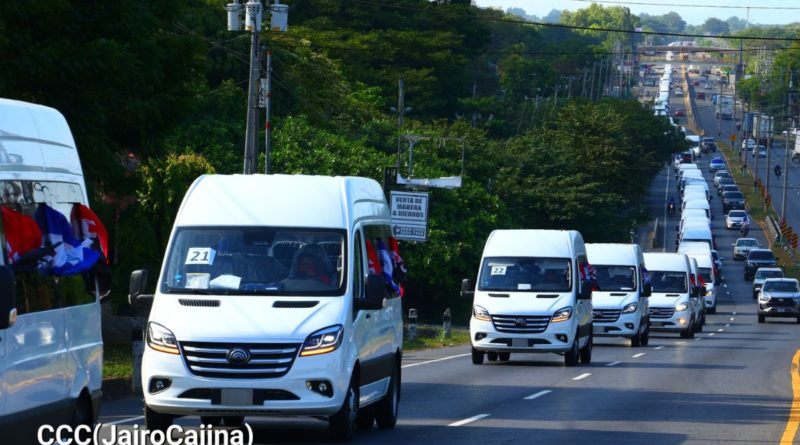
(733,137)
(409,215)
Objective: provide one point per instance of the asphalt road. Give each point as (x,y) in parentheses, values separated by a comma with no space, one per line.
(730,384)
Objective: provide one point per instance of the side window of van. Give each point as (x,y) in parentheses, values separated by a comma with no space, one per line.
(584,270)
(378,249)
(358,262)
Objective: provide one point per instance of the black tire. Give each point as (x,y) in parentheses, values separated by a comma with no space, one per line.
(211,420)
(712,309)
(366,418)
(504,356)
(636,340)
(646,334)
(491,356)
(477,357)
(156,421)
(342,425)
(572,356)
(586,352)
(386,410)
(798,320)
(82,413)
(233,421)
(761,318)
(689,331)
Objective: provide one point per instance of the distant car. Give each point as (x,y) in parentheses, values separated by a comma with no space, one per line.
(719,175)
(716,164)
(742,247)
(732,201)
(757,258)
(749,144)
(717,266)
(735,218)
(707,86)
(701,96)
(760,149)
(780,297)
(680,112)
(762,274)
(728,187)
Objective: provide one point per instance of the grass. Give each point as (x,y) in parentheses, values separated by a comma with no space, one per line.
(117,362)
(756,208)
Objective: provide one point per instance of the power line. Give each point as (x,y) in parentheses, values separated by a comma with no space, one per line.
(573,27)
(687,5)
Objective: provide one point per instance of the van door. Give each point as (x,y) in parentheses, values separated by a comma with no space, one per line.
(583,308)
(364,321)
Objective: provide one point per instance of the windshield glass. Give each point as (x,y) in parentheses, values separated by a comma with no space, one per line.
(769,274)
(705,272)
(668,281)
(760,255)
(747,242)
(615,278)
(256,260)
(737,214)
(733,195)
(780,286)
(525,274)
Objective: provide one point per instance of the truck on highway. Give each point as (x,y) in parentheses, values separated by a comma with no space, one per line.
(534,294)
(51,349)
(724,106)
(762,127)
(796,150)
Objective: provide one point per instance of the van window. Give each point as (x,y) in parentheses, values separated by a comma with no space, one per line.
(256,260)
(705,274)
(358,264)
(668,281)
(615,278)
(525,274)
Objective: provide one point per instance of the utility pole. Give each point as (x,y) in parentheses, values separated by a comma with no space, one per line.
(474,96)
(268,122)
(252,24)
(591,84)
(756,150)
(401,103)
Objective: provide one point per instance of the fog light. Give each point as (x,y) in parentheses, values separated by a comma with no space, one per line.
(323,387)
(158,384)
(561,337)
(681,321)
(480,336)
(629,325)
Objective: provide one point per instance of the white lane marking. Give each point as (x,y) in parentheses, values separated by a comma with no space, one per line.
(727,325)
(732,318)
(712,334)
(679,342)
(538,394)
(613,364)
(659,347)
(698,338)
(724,285)
(130,419)
(727,292)
(469,420)
(720,330)
(733,313)
(638,355)
(434,361)
(582,376)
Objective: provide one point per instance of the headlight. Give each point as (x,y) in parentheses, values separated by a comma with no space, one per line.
(323,341)
(680,307)
(631,307)
(480,313)
(562,314)
(763,298)
(161,339)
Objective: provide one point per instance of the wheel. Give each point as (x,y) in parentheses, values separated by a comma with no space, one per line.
(586,352)
(233,421)
(636,340)
(504,356)
(156,421)
(82,413)
(477,357)
(689,331)
(211,420)
(491,356)
(646,334)
(761,318)
(713,309)
(342,425)
(798,319)
(572,356)
(386,410)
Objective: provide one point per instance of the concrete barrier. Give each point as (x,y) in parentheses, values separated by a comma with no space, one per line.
(773,229)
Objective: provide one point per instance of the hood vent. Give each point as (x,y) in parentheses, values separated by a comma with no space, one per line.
(547,296)
(294,304)
(198,303)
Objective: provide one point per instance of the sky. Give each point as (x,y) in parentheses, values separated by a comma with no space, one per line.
(690,14)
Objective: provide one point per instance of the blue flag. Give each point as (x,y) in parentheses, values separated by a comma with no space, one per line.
(70,256)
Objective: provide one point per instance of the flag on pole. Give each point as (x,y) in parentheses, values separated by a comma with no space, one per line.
(86,225)
(372,258)
(400,270)
(21,233)
(386,265)
(70,256)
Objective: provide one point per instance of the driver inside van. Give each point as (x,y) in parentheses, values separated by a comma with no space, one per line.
(308,267)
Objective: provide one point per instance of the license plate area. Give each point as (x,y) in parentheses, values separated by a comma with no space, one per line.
(235,396)
(519,343)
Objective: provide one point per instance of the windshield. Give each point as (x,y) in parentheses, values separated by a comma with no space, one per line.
(705,272)
(668,281)
(769,274)
(256,260)
(747,243)
(733,195)
(737,214)
(514,274)
(780,286)
(760,255)
(615,278)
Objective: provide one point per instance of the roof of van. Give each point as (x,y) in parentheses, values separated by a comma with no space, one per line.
(612,254)
(35,138)
(693,246)
(703,258)
(281,201)
(666,261)
(533,243)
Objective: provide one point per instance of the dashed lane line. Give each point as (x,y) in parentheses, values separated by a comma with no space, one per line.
(613,364)
(434,361)
(538,394)
(712,334)
(659,347)
(130,419)
(469,420)
(582,376)
(638,355)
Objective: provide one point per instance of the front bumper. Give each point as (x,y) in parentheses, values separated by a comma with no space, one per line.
(779,307)
(710,300)
(627,325)
(677,322)
(189,394)
(557,337)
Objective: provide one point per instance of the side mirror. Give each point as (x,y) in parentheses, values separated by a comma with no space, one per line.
(647,289)
(8,301)
(375,293)
(141,302)
(466,288)
(703,291)
(585,291)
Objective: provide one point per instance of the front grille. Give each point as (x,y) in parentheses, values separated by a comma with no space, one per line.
(267,360)
(781,302)
(198,303)
(606,315)
(521,324)
(259,394)
(661,312)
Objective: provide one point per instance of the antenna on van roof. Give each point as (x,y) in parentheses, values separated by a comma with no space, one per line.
(445,161)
